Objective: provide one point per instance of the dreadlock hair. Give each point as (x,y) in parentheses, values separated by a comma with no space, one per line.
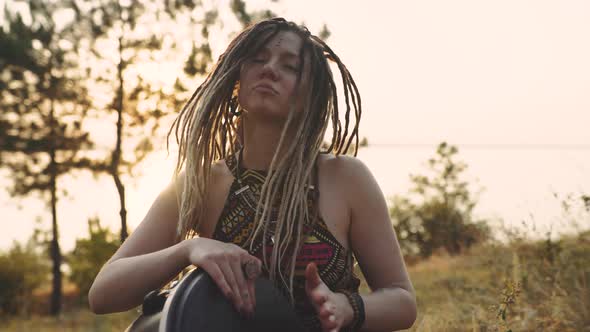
(208,129)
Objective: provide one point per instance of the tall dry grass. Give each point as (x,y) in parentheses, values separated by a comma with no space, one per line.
(75,320)
(541,285)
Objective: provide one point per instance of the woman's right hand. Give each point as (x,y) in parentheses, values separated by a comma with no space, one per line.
(224,263)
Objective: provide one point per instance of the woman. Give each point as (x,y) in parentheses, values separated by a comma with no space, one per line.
(250,140)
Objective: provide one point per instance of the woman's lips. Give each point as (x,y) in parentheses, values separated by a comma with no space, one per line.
(265,88)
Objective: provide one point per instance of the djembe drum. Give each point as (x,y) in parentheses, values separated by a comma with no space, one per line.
(196,304)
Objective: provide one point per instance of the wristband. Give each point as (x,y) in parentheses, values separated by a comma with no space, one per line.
(358,309)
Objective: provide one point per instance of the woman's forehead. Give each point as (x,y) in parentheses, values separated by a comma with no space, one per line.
(287,42)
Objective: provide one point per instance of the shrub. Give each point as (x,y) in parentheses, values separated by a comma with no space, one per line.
(442,217)
(90,254)
(23,268)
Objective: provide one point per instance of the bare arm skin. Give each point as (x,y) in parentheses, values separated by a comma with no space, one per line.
(392,303)
(148,259)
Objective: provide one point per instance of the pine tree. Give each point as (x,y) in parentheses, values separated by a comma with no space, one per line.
(43,106)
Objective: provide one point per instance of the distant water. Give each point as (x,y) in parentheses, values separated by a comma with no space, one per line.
(519,186)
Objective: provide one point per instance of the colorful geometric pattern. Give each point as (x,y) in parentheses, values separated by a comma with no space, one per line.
(335,263)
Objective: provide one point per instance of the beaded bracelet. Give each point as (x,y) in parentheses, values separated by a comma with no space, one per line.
(358,309)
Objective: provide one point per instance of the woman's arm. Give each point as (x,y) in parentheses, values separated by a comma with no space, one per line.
(392,304)
(122,284)
(148,259)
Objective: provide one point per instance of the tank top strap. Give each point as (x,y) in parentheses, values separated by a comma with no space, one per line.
(316,184)
(315,192)
(232,163)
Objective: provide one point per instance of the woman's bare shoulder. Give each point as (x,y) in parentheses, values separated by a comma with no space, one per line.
(218,172)
(344,176)
(342,165)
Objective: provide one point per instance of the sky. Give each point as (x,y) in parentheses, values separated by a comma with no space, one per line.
(480,73)
(494,72)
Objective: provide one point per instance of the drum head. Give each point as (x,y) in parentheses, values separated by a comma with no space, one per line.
(197,304)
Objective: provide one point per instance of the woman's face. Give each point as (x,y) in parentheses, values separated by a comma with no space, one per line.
(268,79)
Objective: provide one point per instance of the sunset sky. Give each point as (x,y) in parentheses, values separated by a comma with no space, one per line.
(466,71)
(486,73)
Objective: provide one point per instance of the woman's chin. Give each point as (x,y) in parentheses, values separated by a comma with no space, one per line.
(266,112)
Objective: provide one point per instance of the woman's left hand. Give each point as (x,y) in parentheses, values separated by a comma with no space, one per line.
(333,309)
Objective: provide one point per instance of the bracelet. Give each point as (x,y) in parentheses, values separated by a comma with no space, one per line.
(358,309)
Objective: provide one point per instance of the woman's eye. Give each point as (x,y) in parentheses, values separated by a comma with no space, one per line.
(291,67)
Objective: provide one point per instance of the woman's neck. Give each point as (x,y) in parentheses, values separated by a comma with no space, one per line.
(260,142)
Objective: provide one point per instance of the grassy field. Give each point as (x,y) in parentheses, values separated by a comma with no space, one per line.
(70,321)
(524,286)
(542,286)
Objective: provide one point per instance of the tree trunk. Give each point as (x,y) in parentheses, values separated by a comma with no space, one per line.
(122,211)
(117,152)
(56,258)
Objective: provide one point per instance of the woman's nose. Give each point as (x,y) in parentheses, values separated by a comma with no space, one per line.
(269,70)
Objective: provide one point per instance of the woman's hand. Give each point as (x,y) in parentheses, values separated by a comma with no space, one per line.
(225,263)
(333,309)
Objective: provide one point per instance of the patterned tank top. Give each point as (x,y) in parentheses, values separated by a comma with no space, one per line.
(335,262)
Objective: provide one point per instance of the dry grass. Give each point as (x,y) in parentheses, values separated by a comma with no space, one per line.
(70,321)
(525,286)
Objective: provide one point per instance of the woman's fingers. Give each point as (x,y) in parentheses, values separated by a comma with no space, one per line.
(312,277)
(252,270)
(327,316)
(243,288)
(318,298)
(230,276)
(335,318)
(313,286)
(326,310)
(228,265)
(319,294)
(330,323)
(236,266)
(251,267)
(219,278)
(252,291)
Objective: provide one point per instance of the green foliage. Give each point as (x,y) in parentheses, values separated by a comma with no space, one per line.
(23,268)
(42,110)
(90,254)
(199,60)
(325,33)
(442,217)
(43,105)
(246,17)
